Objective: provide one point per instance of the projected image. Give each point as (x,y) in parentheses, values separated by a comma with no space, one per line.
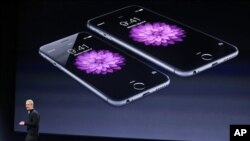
(157,34)
(99,62)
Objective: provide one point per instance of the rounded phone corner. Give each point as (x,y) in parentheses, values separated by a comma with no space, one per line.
(88,22)
(237,51)
(40,50)
(183,73)
(168,81)
(117,103)
(133,5)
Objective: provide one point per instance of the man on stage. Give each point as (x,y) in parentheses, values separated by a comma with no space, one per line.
(32,122)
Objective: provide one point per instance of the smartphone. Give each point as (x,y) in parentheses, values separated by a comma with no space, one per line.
(166,42)
(112,74)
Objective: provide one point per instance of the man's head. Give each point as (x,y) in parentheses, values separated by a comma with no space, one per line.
(29,104)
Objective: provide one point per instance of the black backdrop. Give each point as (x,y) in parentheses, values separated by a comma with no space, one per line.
(229,20)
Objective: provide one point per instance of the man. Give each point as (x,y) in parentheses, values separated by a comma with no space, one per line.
(32,122)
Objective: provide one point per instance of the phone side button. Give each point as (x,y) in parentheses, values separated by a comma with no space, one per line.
(147,93)
(54,63)
(59,67)
(107,36)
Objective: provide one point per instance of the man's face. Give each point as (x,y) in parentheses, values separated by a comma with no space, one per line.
(29,106)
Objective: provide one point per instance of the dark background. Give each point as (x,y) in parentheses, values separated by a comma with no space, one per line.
(226,20)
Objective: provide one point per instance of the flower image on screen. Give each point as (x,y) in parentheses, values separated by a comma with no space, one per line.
(99,62)
(157,34)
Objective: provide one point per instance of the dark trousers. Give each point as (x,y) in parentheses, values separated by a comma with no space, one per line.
(31,138)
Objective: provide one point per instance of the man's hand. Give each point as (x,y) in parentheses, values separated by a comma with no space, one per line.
(21,123)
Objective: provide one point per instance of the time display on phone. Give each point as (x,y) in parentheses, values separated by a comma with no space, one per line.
(79,49)
(131,22)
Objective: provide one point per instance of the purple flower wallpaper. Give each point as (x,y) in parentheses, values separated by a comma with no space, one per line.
(157,34)
(99,62)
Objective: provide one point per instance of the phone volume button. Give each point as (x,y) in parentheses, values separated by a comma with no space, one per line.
(54,63)
(107,36)
(110,38)
(151,91)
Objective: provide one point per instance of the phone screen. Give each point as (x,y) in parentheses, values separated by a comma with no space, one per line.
(161,39)
(107,69)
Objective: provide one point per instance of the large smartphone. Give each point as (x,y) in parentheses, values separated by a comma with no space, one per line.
(110,73)
(168,43)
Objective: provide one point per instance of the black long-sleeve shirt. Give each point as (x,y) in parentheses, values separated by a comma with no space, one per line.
(32,122)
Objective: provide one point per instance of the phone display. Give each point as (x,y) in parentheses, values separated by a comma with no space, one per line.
(109,72)
(168,43)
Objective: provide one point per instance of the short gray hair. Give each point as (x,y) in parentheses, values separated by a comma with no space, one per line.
(30,101)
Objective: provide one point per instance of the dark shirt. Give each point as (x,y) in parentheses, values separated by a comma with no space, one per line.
(33,123)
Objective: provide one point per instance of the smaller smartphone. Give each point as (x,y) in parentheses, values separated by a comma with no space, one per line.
(112,74)
(168,43)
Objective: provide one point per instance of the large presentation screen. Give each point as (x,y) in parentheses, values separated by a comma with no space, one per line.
(199,107)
